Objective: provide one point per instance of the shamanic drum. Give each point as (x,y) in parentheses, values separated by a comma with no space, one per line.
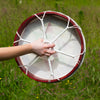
(53,27)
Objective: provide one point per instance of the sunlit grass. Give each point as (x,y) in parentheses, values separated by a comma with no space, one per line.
(84,84)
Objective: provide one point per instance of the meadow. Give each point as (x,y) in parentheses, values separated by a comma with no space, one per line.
(84,84)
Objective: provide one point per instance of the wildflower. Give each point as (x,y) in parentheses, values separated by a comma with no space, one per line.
(20,1)
(0,78)
(74,87)
(37,97)
(70,83)
(67,81)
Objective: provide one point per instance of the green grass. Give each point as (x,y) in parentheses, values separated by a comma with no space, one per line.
(84,84)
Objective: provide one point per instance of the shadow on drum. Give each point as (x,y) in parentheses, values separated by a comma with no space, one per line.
(31,31)
(41,67)
(73,36)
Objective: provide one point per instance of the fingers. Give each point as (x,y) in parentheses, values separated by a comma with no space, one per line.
(42,48)
(49,49)
(47,46)
(49,52)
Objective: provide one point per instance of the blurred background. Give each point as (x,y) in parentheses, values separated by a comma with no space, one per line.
(84,84)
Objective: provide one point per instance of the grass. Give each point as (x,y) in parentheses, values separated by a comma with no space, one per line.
(84,84)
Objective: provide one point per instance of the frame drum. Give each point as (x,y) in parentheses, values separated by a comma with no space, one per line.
(53,27)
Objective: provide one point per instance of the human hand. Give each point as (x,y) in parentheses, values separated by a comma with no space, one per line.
(42,49)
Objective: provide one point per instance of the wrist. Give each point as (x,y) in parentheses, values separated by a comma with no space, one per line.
(29,47)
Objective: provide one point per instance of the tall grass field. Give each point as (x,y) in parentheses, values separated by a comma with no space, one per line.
(84,84)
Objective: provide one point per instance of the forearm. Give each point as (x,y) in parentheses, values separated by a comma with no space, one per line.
(38,47)
(11,52)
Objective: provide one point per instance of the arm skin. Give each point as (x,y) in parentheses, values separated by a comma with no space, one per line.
(12,52)
(38,47)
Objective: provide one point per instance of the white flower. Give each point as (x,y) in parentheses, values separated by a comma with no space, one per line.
(20,1)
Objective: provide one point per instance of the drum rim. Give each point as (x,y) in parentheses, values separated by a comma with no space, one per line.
(81,58)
